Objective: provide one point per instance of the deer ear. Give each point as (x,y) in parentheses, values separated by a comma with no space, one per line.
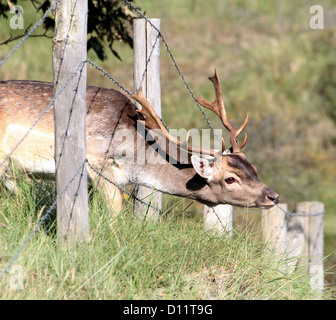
(203,167)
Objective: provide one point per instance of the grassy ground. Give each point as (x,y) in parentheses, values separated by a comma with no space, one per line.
(130,259)
(271,64)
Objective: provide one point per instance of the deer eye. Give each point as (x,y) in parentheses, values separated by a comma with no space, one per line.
(230,180)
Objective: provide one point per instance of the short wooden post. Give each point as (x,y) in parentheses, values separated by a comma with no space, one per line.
(274,228)
(295,243)
(218,218)
(69,49)
(310,215)
(147,75)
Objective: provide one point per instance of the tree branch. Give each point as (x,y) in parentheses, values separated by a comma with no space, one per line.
(11,38)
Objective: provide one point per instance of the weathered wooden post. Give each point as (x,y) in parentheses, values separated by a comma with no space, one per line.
(295,242)
(301,240)
(310,215)
(283,237)
(218,218)
(274,228)
(147,75)
(69,50)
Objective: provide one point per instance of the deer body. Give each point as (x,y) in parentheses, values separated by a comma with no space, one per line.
(110,112)
(22,102)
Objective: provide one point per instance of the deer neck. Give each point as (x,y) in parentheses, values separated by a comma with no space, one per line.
(177,179)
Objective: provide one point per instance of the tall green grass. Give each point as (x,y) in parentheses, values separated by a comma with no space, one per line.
(126,258)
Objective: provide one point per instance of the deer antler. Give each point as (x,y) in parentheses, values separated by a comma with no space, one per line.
(153,122)
(218,107)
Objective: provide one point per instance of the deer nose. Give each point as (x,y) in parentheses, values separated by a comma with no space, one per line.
(274,198)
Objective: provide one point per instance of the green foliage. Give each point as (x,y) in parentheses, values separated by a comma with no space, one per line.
(326,88)
(126,258)
(108,22)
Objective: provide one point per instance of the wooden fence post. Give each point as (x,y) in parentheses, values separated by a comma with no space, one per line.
(312,256)
(299,240)
(69,49)
(218,218)
(295,242)
(274,228)
(147,45)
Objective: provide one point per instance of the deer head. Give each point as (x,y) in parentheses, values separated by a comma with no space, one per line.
(229,177)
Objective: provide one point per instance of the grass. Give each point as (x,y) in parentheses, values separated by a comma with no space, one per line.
(126,258)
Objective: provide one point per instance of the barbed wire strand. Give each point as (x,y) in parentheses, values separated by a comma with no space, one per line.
(79,68)
(107,75)
(43,113)
(23,40)
(65,84)
(293,215)
(41,221)
(148,61)
(170,53)
(70,116)
(65,43)
(122,190)
(284,224)
(298,214)
(116,82)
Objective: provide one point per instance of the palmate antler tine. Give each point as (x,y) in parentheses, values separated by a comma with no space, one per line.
(152,121)
(218,107)
(235,133)
(184,144)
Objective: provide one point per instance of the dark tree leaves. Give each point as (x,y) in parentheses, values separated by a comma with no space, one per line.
(95,44)
(108,21)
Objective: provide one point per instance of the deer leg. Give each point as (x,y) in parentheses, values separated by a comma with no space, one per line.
(112,193)
(4,177)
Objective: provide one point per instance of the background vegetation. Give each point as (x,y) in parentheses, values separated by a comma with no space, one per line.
(126,258)
(272,65)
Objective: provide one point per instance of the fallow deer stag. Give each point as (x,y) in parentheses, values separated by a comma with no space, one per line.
(223,177)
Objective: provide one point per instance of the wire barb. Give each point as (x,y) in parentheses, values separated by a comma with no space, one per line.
(298,214)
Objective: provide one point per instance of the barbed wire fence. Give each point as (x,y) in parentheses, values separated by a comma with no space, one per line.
(296,238)
(128,92)
(45,111)
(80,169)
